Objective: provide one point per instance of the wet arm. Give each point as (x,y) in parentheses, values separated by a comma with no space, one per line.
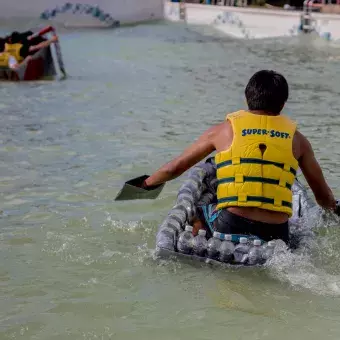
(192,155)
(43,44)
(314,176)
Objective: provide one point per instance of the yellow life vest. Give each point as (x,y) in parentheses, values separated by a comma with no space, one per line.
(4,59)
(14,50)
(259,168)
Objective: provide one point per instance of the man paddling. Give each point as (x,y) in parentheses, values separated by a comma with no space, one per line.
(258,154)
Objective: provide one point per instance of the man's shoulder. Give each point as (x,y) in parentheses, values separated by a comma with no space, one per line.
(301,144)
(299,137)
(222,129)
(218,129)
(226,124)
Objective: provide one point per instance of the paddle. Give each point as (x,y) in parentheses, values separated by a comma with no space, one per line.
(59,55)
(132,190)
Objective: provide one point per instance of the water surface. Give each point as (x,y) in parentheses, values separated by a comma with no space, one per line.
(77,265)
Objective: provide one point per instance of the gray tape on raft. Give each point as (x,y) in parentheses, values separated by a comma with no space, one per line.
(175,220)
(190,193)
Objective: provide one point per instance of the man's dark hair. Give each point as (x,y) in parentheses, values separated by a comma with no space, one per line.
(27,33)
(2,44)
(267,91)
(15,37)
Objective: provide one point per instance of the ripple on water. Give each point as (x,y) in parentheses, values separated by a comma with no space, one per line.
(78,265)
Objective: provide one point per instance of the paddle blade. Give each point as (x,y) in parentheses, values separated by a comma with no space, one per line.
(132,190)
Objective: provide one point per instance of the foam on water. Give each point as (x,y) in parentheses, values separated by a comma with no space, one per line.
(315,266)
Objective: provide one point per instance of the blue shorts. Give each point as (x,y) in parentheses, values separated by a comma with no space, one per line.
(225,222)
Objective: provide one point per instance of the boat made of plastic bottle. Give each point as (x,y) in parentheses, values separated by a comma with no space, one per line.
(200,189)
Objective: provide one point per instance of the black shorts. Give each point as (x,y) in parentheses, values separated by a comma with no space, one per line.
(226,222)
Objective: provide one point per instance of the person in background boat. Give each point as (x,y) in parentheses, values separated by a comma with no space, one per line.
(6,60)
(19,47)
(258,153)
(28,38)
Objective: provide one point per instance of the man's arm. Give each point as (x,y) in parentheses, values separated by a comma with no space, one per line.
(192,155)
(314,176)
(43,44)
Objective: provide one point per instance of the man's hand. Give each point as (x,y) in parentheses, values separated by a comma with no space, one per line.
(55,38)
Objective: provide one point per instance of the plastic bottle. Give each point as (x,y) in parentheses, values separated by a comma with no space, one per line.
(255,253)
(185,240)
(241,250)
(227,249)
(200,243)
(214,245)
(268,251)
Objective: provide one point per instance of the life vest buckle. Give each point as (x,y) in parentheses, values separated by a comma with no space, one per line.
(236,160)
(283,180)
(277,202)
(242,198)
(286,167)
(239,178)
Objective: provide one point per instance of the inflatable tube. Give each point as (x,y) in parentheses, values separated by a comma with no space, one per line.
(199,189)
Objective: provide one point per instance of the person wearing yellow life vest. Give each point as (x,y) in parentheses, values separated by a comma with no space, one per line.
(13,50)
(258,153)
(6,59)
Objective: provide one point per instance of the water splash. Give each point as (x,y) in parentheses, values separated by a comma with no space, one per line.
(312,267)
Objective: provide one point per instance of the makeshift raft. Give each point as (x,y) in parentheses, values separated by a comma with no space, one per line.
(200,189)
(45,64)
